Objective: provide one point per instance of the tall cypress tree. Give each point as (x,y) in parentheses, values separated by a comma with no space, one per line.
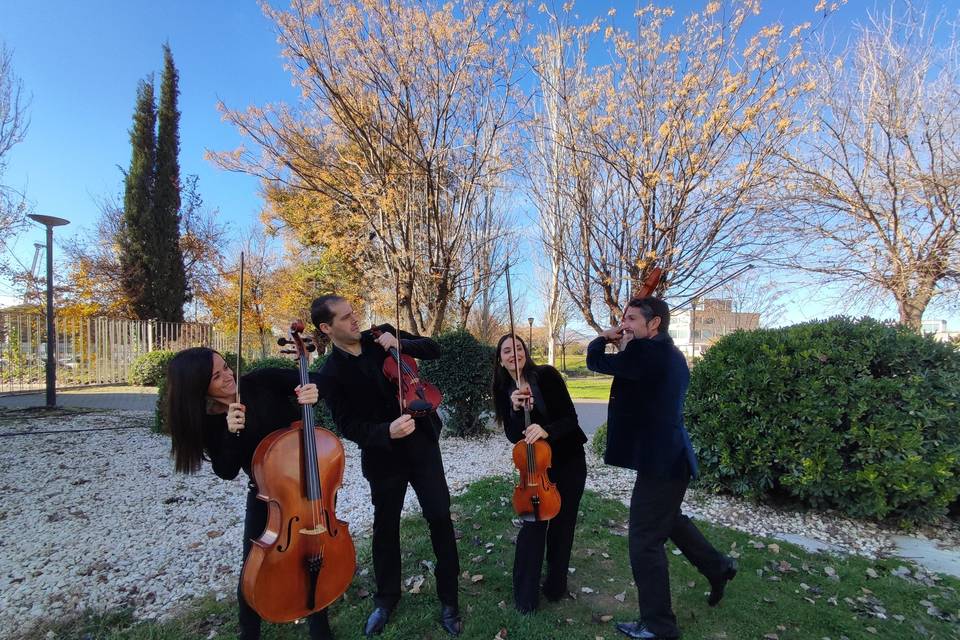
(136,271)
(170,279)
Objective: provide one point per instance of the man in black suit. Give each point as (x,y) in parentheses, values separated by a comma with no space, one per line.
(645,432)
(395,450)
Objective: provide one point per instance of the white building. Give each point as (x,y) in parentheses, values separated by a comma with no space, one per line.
(694,330)
(938,329)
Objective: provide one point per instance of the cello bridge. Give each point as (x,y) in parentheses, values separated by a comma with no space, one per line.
(316,531)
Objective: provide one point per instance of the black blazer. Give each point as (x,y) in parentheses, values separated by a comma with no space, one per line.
(363,403)
(271,403)
(645,428)
(558,416)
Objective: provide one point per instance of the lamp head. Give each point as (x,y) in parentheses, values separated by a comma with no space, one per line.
(48,221)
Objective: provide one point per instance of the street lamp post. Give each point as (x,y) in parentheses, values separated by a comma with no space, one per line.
(50,222)
(530,335)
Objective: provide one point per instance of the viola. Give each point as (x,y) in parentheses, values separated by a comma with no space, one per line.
(650,283)
(535,497)
(305,558)
(417,398)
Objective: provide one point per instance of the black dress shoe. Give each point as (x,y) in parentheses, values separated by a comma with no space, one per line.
(554,595)
(639,631)
(377,621)
(450,620)
(716,588)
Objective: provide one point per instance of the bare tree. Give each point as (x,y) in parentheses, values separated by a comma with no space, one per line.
(672,141)
(14,123)
(407,111)
(558,60)
(753,292)
(94,263)
(93,274)
(202,241)
(873,191)
(489,245)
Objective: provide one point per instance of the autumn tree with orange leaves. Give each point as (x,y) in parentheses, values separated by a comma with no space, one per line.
(406,121)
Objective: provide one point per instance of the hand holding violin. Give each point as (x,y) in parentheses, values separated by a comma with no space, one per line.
(402,427)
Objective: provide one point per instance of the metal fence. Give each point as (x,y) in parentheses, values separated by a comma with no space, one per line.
(95,350)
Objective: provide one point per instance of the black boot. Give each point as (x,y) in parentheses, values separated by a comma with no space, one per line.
(450,620)
(377,621)
(717,587)
(639,631)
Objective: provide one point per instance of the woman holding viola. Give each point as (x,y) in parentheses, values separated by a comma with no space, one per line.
(553,420)
(206,423)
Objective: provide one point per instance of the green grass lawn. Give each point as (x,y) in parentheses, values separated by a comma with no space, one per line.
(781,593)
(589,388)
(575,364)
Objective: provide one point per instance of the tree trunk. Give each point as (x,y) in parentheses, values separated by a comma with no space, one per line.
(911,309)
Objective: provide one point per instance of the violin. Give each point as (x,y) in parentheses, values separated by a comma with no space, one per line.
(535,498)
(305,558)
(417,398)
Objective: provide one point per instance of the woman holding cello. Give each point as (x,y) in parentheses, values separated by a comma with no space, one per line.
(205,422)
(553,419)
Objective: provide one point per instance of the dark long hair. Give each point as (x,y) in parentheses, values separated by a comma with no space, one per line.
(502,380)
(188,378)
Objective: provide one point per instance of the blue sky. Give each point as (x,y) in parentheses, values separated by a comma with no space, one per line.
(81,62)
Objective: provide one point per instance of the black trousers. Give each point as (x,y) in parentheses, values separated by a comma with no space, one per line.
(423,470)
(555,536)
(253,525)
(654,517)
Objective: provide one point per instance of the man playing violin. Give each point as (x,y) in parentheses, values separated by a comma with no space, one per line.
(645,432)
(395,448)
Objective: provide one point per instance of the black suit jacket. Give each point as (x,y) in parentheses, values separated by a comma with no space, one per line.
(363,403)
(645,428)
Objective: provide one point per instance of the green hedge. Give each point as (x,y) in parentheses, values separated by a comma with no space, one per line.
(599,441)
(271,362)
(860,416)
(149,368)
(463,375)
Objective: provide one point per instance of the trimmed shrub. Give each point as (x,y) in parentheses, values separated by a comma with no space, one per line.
(860,416)
(231,359)
(599,442)
(270,362)
(463,375)
(148,368)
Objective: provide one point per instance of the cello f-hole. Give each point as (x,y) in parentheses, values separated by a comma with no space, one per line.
(281,548)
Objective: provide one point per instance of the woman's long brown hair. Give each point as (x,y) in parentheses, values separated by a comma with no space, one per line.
(188,378)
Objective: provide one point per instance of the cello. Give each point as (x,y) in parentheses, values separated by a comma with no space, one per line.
(305,558)
(535,498)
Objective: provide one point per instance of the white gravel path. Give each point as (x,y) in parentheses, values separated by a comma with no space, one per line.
(99,520)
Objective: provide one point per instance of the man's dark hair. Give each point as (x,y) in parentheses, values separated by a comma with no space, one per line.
(653,308)
(321,309)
